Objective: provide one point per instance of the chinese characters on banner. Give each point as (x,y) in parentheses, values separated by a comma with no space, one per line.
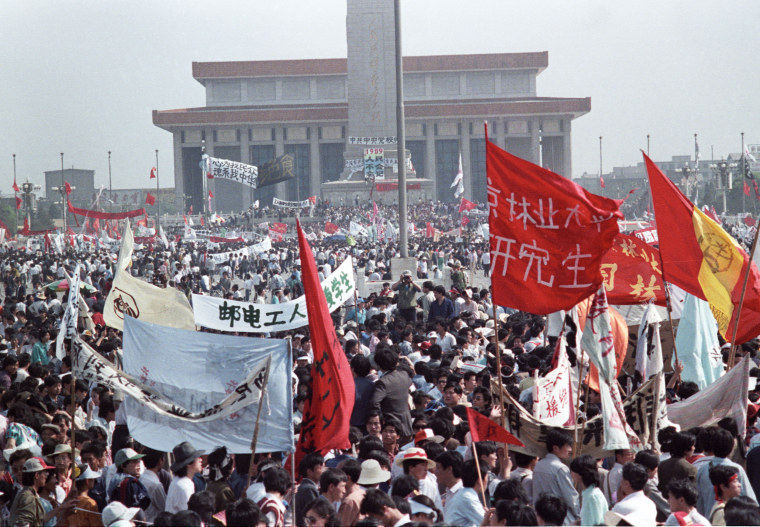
(387,140)
(88,364)
(247,317)
(276,170)
(326,417)
(232,170)
(553,394)
(548,235)
(250,251)
(374,165)
(632,273)
(291,204)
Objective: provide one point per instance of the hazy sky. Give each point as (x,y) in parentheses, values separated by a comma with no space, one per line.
(82,77)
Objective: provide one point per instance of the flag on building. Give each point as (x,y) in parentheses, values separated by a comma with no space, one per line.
(702,259)
(327,415)
(548,235)
(153,173)
(458,180)
(149,199)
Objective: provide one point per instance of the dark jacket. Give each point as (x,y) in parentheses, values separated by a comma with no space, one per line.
(307,492)
(391,397)
(675,468)
(363,400)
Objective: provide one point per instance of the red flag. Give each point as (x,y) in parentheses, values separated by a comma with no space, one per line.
(429,231)
(67,187)
(331,228)
(96,225)
(184,218)
(484,429)
(153,173)
(632,274)
(601,182)
(202,222)
(749,221)
(282,228)
(210,194)
(15,186)
(26,224)
(327,414)
(746,189)
(548,235)
(466,205)
(465,220)
(313,200)
(149,199)
(48,242)
(19,201)
(275,236)
(191,210)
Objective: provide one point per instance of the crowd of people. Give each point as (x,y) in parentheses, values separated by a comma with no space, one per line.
(422,348)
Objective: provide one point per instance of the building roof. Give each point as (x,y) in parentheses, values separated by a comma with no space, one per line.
(278,68)
(247,115)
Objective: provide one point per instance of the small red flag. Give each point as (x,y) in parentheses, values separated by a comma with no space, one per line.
(16,189)
(26,224)
(150,199)
(466,205)
(282,228)
(465,221)
(19,201)
(210,194)
(331,228)
(601,182)
(313,200)
(191,210)
(327,415)
(184,218)
(746,189)
(153,173)
(484,429)
(202,222)
(429,230)
(67,187)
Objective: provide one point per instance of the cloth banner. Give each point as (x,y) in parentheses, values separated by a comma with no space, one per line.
(388,186)
(632,274)
(357,229)
(552,394)
(68,327)
(246,317)
(638,408)
(257,248)
(291,204)
(232,170)
(726,397)
(96,214)
(219,239)
(548,235)
(697,343)
(598,342)
(276,226)
(198,370)
(277,170)
(88,364)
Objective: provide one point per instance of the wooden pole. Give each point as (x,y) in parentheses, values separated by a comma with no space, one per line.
(670,312)
(732,353)
(578,401)
(477,465)
(255,439)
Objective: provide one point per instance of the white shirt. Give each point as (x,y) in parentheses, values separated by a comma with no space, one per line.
(641,507)
(179,493)
(157,494)
(450,492)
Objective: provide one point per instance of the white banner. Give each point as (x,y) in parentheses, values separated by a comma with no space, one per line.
(291,204)
(250,251)
(387,140)
(68,327)
(356,229)
(726,397)
(247,317)
(232,170)
(88,364)
(196,371)
(553,394)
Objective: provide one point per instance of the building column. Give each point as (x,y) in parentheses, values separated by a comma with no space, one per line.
(535,146)
(179,179)
(567,158)
(430,161)
(279,149)
(245,157)
(497,127)
(464,149)
(315,174)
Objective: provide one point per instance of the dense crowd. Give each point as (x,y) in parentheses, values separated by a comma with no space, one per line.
(422,348)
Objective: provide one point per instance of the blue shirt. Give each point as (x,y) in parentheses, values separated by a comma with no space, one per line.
(706,498)
(443,310)
(593,506)
(464,508)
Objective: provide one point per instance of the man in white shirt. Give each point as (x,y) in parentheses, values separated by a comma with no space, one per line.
(465,508)
(632,502)
(448,470)
(187,463)
(154,461)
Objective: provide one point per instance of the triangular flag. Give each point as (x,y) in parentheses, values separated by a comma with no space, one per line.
(153,173)
(67,186)
(15,186)
(150,199)
(484,429)
(19,201)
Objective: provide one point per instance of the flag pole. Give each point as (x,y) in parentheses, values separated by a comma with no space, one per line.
(732,353)
(255,439)
(578,401)
(477,465)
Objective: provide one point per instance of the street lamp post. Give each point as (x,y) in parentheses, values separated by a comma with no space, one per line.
(722,171)
(110,185)
(63,196)
(688,172)
(158,198)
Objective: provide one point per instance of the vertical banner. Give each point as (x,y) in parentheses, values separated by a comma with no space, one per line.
(374,168)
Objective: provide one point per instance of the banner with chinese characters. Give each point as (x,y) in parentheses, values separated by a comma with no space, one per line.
(553,393)
(247,317)
(291,204)
(250,251)
(198,370)
(89,365)
(632,274)
(374,165)
(232,170)
(387,140)
(276,170)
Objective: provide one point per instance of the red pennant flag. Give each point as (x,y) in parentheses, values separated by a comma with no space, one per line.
(548,235)
(466,205)
(429,230)
(184,218)
(484,429)
(465,220)
(746,189)
(601,182)
(19,201)
(331,228)
(153,173)
(191,210)
(67,187)
(15,186)
(327,414)
(150,199)
(26,224)
(210,194)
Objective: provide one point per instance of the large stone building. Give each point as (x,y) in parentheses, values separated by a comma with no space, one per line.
(257,110)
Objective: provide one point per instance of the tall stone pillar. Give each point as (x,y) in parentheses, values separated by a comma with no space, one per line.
(567,157)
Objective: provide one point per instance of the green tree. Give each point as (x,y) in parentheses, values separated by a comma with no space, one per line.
(8,216)
(41,220)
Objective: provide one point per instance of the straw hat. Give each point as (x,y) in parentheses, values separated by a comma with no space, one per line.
(372,473)
(414,453)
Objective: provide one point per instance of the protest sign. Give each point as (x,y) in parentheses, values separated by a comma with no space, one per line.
(248,317)
(276,170)
(252,250)
(196,371)
(232,170)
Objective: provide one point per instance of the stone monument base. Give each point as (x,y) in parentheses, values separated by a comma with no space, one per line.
(358,192)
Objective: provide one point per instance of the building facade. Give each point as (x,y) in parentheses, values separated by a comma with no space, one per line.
(257,110)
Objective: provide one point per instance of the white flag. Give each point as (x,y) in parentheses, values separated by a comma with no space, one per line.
(458,180)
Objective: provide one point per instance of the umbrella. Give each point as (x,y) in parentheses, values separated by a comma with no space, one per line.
(63,285)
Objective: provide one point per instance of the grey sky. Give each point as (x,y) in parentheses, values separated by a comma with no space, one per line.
(82,77)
